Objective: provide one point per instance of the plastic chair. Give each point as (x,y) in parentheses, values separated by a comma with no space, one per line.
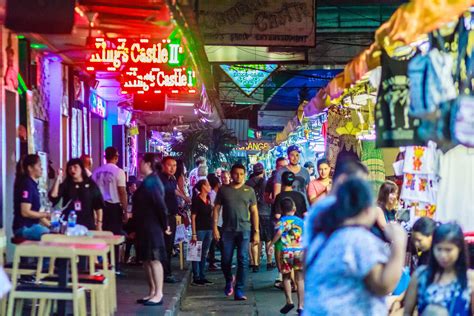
(98,284)
(46,294)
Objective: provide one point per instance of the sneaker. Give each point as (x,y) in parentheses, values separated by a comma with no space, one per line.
(255,269)
(240,296)
(170,279)
(229,289)
(197,283)
(300,311)
(206,281)
(271,266)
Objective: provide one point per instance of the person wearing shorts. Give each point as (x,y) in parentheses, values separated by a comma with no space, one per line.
(289,233)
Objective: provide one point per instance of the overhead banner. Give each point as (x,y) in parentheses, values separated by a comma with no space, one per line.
(249,77)
(258,22)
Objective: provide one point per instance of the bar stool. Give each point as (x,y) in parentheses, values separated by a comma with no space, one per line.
(97,284)
(46,294)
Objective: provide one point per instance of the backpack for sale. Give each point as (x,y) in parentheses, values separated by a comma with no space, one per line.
(431,82)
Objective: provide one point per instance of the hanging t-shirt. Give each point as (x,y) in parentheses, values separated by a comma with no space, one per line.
(419,187)
(393,126)
(456,188)
(420,159)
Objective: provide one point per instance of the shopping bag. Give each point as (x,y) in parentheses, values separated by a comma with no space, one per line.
(194,251)
(180,234)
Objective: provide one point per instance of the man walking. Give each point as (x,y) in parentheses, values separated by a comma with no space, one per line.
(112,183)
(237,201)
(171,199)
(258,182)
(302,177)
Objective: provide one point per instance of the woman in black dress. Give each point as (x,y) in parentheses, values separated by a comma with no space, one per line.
(150,215)
(79,193)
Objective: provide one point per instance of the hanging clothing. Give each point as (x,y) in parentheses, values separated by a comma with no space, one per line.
(372,158)
(393,126)
(456,189)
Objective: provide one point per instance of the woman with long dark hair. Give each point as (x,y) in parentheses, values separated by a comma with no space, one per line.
(445,282)
(345,257)
(79,193)
(150,214)
(387,200)
(421,240)
(28,221)
(201,219)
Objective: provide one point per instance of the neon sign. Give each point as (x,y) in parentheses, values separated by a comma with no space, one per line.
(145,65)
(249,77)
(97,104)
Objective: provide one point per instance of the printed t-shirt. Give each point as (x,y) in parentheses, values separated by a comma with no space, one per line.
(236,207)
(393,126)
(291,227)
(108,177)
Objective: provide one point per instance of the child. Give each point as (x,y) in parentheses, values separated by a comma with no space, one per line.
(289,231)
(445,281)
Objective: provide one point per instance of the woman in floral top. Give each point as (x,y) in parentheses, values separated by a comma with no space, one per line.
(349,271)
(445,282)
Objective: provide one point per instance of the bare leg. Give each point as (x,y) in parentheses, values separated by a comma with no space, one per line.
(269,250)
(157,272)
(255,254)
(149,278)
(287,287)
(300,283)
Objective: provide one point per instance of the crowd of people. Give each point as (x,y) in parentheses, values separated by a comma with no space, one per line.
(335,245)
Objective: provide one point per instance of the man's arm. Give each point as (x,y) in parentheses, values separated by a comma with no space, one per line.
(254,215)
(122,191)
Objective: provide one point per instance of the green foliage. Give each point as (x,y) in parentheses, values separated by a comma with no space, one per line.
(214,144)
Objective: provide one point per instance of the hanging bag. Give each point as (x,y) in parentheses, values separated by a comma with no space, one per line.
(431,82)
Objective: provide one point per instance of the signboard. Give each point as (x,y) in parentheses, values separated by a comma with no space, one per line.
(249,77)
(97,104)
(146,65)
(258,22)
(255,146)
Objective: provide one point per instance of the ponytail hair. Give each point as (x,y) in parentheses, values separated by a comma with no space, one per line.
(352,197)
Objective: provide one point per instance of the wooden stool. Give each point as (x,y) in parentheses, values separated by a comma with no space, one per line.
(97,284)
(46,294)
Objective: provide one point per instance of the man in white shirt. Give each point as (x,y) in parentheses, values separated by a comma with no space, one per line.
(112,183)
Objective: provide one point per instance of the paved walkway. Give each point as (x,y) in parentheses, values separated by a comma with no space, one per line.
(263,298)
(134,286)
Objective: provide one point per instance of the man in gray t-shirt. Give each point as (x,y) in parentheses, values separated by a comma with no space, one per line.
(302,177)
(239,206)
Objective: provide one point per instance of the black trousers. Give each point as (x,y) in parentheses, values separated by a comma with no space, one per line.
(113,221)
(169,242)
